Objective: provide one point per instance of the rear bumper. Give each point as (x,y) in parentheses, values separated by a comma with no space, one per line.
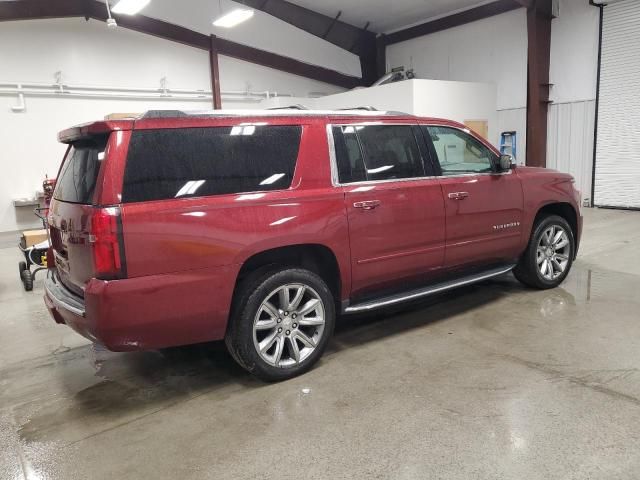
(60,298)
(148,312)
(65,307)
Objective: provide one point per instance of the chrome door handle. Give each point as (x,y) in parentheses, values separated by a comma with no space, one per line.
(458,195)
(367,204)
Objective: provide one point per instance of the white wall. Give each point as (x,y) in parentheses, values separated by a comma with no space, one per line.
(458,101)
(89,53)
(261,31)
(495,50)
(574,52)
(573,73)
(492,50)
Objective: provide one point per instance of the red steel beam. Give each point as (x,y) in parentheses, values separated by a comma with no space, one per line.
(455,20)
(215,73)
(538,61)
(32,10)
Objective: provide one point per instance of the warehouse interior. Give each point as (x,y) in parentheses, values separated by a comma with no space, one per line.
(491,380)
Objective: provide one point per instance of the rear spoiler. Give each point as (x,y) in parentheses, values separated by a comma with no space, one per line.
(93,128)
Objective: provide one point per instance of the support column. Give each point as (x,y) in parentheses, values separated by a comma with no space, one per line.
(539,16)
(215,73)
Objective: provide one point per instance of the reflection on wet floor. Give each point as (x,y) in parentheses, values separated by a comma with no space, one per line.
(492,380)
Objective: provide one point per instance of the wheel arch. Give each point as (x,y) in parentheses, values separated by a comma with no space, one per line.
(564,210)
(315,257)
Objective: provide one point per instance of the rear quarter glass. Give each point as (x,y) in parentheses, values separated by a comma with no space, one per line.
(190,162)
(76,182)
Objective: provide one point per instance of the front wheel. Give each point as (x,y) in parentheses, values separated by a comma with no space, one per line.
(282,324)
(549,255)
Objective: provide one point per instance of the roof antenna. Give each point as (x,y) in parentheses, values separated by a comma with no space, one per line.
(111,23)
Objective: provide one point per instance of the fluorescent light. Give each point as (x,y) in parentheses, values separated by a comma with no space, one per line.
(249,196)
(233,18)
(272,179)
(129,7)
(282,220)
(190,187)
(380,169)
(243,130)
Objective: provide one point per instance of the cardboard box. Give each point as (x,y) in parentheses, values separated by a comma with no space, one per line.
(31,237)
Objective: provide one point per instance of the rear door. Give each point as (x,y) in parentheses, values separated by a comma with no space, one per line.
(394,206)
(71,209)
(483,208)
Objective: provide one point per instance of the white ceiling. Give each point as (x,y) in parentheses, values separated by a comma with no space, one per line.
(387,15)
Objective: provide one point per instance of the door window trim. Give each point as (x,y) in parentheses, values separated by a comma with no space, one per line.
(429,143)
(467,131)
(335,181)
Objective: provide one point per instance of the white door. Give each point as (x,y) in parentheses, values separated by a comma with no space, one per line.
(617,176)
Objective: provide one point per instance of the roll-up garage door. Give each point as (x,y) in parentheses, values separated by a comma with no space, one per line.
(617,175)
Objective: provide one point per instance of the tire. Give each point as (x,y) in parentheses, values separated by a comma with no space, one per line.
(27,280)
(546,261)
(22,266)
(273,338)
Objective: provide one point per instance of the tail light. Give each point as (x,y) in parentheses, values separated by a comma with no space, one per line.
(105,237)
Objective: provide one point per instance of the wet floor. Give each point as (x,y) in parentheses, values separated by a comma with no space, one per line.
(491,381)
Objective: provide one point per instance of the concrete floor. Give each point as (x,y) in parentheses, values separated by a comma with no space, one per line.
(492,381)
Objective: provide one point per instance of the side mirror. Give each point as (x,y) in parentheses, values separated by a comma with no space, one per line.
(506,163)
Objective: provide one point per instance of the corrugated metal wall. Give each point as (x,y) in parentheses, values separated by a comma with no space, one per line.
(617,177)
(570,142)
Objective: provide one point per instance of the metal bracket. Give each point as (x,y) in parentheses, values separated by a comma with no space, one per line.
(21,106)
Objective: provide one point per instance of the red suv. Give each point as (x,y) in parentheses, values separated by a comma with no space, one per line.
(260,227)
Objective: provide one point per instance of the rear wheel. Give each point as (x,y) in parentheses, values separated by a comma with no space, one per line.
(282,323)
(549,255)
(22,266)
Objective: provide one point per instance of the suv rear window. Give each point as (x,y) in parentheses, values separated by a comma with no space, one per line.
(190,162)
(77,179)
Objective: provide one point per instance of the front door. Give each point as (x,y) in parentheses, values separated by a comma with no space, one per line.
(483,208)
(395,208)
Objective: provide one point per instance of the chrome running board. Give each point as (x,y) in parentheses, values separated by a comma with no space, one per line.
(426,291)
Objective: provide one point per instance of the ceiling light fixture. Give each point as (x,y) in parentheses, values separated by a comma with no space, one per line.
(129,7)
(233,18)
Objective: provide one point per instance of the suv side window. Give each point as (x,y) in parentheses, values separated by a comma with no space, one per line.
(348,155)
(458,152)
(190,162)
(390,152)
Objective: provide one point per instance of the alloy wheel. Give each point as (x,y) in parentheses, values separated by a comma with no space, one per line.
(552,253)
(288,325)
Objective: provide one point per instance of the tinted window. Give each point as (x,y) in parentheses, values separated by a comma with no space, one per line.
(177,163)
(77,179)
(348,155)
(390,151)
(459,152)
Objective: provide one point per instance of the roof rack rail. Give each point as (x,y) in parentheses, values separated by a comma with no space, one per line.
(368,108)
(165,114)
(297,106)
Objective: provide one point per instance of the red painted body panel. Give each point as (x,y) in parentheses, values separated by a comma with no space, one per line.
(401,238)
(541,187)
(183,256)
(490,201)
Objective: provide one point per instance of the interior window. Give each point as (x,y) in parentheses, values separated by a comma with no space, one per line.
(390,151)
(459,152)
(348,155)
